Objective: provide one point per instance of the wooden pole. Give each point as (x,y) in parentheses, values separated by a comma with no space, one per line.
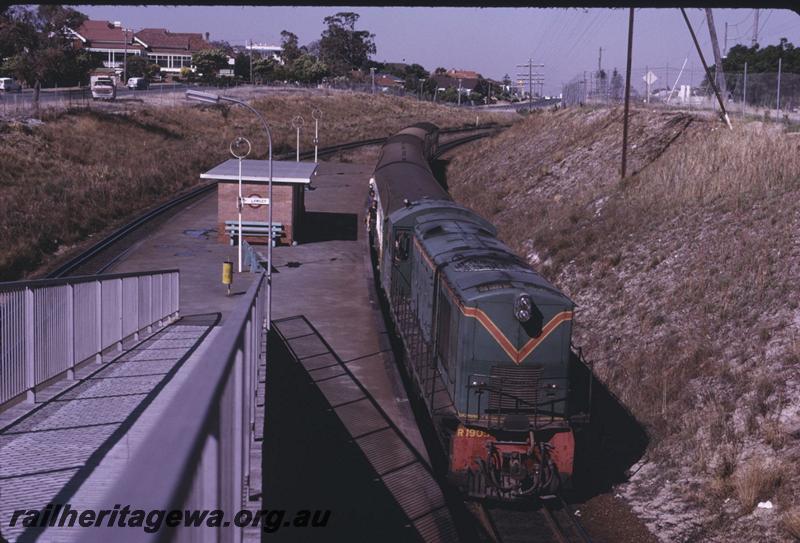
(627,95)
(719,75)
(708,72)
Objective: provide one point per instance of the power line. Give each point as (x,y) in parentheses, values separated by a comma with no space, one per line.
(585,30)
(761,30)
(547,32)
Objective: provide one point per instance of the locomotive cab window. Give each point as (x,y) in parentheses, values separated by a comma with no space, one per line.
(402,246)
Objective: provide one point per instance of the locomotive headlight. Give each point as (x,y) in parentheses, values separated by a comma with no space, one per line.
(522,308)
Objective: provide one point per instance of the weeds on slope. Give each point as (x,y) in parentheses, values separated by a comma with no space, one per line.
(85,171)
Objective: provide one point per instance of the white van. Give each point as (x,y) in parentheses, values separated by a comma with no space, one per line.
(103,88)
(138,83)
(7,84)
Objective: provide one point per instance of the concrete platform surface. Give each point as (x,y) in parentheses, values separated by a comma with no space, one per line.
(328,279)
(189,242)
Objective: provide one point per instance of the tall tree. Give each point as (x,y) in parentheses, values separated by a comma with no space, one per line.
(36,47)
(616,86)
(139,66)
(342,47)
(209,62)
(291,47)
(762,65)
(223,46)
(17,31)
(308,69)
(241,66)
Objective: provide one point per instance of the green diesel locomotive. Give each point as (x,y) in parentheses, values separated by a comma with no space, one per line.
(487,339)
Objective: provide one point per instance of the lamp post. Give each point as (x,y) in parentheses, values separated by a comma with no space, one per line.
(298,123)
(240,148)
(317,115)
(210,98)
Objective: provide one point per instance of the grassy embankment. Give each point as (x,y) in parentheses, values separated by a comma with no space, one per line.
(686,277)
(84,172)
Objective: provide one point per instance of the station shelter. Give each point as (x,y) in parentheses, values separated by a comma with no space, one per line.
(289,182)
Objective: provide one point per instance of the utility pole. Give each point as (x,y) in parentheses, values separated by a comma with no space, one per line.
(372,74)
(251,61)
(600,60)
(755,29)
(708,72)
(725,47)
(125,60)
(719,76)
(778,98)
(532,78)
(459,92)
(627,94)
(744,91)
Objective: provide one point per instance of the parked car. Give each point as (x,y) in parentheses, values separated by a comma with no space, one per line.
(7,84)
(138,83)
(103,88)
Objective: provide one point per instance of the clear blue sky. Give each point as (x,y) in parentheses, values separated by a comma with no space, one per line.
(488,40)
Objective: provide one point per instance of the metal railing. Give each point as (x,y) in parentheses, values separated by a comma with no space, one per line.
(197,455)
(50,326)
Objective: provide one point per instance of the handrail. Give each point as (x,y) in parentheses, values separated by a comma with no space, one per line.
(197,455)
(49,327)
(46,282)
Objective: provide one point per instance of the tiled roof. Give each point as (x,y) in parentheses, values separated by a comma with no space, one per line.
(104,33)
(447,81)
(162,39)
(388,80)
(463,74)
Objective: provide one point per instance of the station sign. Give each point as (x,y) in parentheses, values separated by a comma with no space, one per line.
(255,201)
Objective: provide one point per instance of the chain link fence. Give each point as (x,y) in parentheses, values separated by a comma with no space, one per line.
(770,94)
(22,104)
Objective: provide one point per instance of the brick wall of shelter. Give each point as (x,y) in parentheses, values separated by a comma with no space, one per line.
(284,197)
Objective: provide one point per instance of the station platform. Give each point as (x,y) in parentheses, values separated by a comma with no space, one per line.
(327,278)
(188,242)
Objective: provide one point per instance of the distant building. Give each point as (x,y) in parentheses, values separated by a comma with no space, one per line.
(112,43)
(171,50)
(388,81)
(108,41)
(465,80)
(266,50)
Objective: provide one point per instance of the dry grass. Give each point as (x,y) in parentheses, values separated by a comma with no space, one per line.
(684,273)
(86,171)
(718,166)
(754,482)
(791,522)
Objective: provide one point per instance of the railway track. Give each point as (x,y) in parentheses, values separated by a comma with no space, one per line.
(95,251)
(552,522)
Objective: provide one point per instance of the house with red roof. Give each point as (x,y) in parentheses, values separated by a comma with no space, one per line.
(170,50)
(464,81)
(113,43)
(109,41)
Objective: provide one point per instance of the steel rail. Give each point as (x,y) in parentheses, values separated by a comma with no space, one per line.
(565,527)
(552,521)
